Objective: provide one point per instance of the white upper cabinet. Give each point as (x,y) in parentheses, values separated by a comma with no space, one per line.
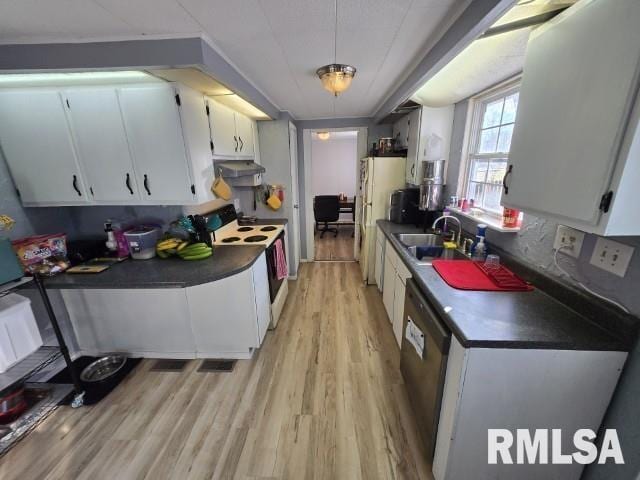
(223,129)
(575,149)
(195,125)
(244,130)
(153,127)
(429,134)
(102,144)
(401,133)
(38,147)
(232,133)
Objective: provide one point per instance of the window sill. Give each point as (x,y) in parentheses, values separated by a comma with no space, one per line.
(491,222)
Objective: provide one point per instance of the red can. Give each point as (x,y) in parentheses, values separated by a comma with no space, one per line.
(510,217)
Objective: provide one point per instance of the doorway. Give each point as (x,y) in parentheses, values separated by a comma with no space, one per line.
(334,171)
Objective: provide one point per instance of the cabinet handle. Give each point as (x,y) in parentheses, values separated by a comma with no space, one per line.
(236,140)
(413,169)
(146,184)
(504,180)
(75,185)
(127,182)
(241,143)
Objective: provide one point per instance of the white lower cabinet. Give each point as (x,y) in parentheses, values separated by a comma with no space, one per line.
(136,321)
(394,286)
(489,388)
(227,318)
(388,291)
(379,267)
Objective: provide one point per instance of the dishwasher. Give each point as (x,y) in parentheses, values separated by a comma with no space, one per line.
(423,362)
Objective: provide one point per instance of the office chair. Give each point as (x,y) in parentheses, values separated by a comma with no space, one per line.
(326,209)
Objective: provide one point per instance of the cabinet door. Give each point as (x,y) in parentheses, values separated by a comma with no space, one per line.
(131,320)
(413,135)
(222,124)
(244,130)
(37,144)
(389,290)
(401,132)
(195,127)
(232,326)
(566,138)
(153,127)
(379,269)
(261,293)
(102,144)
(398,308)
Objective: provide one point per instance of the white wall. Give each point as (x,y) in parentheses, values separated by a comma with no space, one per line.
(334,165)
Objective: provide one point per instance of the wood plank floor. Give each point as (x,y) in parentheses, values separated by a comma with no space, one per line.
(323,398)
(335,248)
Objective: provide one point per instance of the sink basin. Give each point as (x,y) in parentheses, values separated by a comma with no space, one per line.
(419,239)
(412,241)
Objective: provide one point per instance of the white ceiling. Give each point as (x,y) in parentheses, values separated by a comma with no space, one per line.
(276,44)
(487,61)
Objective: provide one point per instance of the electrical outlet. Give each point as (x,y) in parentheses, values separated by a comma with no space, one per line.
(569,238)
(612,256)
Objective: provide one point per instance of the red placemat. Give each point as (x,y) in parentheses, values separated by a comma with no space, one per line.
(469,275)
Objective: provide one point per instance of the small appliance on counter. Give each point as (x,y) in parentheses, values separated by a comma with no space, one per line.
(142,241)
(403,207)
(431,189)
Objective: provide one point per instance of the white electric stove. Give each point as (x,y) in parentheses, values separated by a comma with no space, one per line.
(232,233)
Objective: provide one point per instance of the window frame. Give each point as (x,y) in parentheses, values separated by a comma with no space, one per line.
(473,129)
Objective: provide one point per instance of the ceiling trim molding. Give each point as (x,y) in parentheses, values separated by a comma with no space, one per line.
(473,21)
(133,54)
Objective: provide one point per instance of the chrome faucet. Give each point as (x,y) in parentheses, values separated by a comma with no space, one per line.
(449,217)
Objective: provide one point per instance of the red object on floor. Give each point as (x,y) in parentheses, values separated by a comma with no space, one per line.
(469,275)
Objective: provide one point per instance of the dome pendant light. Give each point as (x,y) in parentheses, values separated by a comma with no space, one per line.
(336,77)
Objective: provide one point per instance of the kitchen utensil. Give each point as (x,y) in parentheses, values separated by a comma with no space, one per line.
(274,202)
(103,368)
(221,188)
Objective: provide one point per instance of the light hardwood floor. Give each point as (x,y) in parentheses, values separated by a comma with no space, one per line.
(323,398)
(335,248)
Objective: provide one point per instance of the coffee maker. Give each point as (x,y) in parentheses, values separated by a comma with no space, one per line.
(403,207)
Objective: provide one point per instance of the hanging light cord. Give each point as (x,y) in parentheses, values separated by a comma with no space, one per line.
(602,297)
(335,36)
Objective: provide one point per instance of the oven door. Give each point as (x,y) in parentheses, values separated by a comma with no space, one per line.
(423,362)
(272,268)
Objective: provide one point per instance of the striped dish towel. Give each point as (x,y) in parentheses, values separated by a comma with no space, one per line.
(281,261)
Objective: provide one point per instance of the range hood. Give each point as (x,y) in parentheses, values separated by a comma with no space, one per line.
(238,168)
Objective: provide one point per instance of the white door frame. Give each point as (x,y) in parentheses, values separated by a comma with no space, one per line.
(308,184)
(295,201)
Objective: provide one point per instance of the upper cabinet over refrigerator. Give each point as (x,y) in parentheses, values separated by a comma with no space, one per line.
(575,154)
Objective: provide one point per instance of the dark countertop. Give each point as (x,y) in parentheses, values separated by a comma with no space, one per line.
(227,260)
(505,319)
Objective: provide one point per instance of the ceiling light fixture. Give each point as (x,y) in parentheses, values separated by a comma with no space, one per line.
(336,77)
(324,135)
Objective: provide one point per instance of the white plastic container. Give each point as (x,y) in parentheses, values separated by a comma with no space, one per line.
(19,334)
(142,242)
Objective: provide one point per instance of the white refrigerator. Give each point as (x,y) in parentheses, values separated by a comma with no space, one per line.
(379,177)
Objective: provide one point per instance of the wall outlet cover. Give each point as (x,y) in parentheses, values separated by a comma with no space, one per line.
(570,238)
(612,256)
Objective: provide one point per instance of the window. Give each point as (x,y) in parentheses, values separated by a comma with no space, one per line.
(493,118)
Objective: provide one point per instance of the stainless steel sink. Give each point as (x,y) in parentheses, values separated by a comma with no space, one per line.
(411,241)
(415,239)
